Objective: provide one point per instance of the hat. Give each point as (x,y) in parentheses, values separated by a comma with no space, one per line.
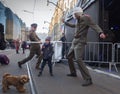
(77,10)
(48,39)
(34,25)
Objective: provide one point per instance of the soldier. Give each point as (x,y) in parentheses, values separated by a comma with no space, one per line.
(34,48)
(80,38)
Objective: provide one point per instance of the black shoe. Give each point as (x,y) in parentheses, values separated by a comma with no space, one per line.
(37,68)
(19,65)
(40,73)
(37,56)
(72,75)
(51,74)
(87,82)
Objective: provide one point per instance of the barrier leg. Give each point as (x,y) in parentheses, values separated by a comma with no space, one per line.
(110,66)
(115,67)
(53,64)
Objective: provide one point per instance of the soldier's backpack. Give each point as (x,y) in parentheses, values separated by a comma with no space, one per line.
(4,59)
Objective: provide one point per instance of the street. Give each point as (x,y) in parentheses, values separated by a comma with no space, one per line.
(59,83)
(13,69)
(62,33)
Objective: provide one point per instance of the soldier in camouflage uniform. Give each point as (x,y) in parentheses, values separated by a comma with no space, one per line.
(34,48)
(78,44)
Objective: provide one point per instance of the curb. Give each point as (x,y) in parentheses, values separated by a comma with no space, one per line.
(32,85)
(105,73)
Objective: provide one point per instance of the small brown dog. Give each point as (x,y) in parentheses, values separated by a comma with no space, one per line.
(16,81)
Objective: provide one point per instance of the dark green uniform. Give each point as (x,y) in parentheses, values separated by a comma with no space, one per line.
(78,44)
(34,49)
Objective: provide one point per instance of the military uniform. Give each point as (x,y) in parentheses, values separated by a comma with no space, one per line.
(78,44)
(34,49)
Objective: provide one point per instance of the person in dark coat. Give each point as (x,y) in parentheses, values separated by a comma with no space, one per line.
(17,46)
(63,39)
(24,46)
(47,50)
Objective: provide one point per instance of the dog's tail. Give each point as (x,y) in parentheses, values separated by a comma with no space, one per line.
(5,75)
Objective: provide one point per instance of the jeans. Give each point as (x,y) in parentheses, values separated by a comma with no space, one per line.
(45,61)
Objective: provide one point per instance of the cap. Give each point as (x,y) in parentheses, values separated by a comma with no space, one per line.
(77,10)
(48,39)
(34,25)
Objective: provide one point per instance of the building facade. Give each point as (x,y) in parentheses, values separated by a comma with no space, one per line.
(56,27)
(2,15)
(103,12)
(13,26)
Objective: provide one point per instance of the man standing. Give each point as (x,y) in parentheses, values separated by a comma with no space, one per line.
(34,47)
(17,46)
(23,46)
(63,39)
(80,38)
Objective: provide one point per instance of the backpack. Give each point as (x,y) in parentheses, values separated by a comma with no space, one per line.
(4,59)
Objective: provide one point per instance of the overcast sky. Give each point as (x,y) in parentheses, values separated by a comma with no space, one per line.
(42,11)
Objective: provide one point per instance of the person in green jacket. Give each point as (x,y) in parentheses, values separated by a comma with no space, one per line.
(34,48)
(78,44)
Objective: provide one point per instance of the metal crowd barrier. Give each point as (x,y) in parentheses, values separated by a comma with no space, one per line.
(99,52)
(116,53)
(95,52)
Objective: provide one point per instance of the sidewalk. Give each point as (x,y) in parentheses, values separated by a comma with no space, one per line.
(13,69)
(61,84)
(6,50)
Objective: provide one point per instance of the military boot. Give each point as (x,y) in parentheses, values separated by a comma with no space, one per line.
(87,82)
(19,64)
(40,74)
(72,75)
(37,66)
(51,74)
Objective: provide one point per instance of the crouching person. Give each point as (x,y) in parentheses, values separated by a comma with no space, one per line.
(47,50)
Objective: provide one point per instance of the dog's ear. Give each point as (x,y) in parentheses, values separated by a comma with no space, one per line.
(6,74)
(24,79)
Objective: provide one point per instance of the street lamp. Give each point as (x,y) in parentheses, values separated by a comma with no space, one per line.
(57,7)
(53,4)
(29,13)
(46,22)
(46,28)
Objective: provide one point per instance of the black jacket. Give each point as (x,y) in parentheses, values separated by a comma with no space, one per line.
(47,51)
(24,44)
